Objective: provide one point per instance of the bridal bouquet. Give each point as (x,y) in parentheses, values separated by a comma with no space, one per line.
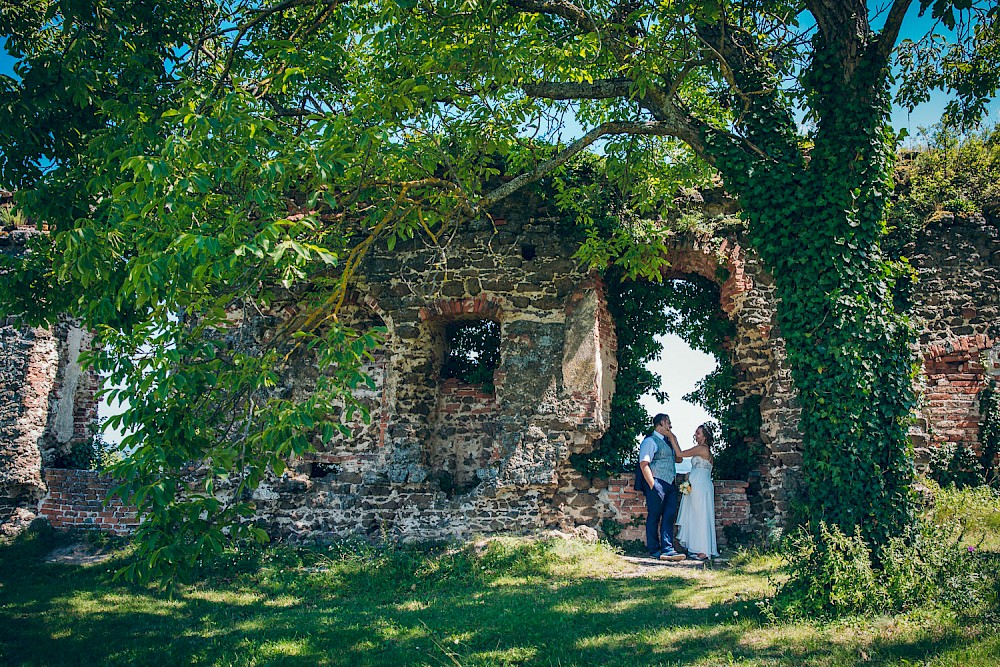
(685,488)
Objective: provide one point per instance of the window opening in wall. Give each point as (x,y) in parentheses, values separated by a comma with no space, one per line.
(473,352)
(527,251)
(320,470)
(696,368)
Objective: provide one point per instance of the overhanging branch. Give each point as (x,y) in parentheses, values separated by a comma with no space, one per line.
(561,8)
(547,167)
(890,31)
(598,90)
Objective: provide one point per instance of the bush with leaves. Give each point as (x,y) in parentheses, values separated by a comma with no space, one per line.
(834,574)
(949,172)
(955,463)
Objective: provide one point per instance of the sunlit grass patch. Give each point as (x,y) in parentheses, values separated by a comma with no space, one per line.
(976,510)
(509,601)
(118,603)
(227,597)
(412,605)
(284,648)
(516,655)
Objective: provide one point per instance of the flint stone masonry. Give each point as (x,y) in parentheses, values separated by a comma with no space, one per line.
(442,459)
(957,306)
(28,363)
(46,402)
(449,459)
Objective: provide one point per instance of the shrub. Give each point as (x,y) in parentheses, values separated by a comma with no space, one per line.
(930,566)
(833,574)
(611,528)
(955,464)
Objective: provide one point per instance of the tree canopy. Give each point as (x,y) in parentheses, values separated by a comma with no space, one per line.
(190,155)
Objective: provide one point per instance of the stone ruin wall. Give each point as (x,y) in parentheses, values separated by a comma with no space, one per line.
(46,401)
(957,306)
(441,459)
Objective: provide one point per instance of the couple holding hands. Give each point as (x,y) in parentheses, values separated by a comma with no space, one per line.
(659,454)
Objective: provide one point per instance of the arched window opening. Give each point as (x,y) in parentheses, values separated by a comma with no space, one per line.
(687,307)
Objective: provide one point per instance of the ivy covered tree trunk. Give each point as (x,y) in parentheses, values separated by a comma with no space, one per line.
(817,218)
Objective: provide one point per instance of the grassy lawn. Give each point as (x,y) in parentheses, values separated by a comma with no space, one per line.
(505,602)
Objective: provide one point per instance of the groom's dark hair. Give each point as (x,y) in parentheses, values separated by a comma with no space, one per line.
(659,419)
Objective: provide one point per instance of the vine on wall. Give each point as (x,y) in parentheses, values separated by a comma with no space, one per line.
(989,431)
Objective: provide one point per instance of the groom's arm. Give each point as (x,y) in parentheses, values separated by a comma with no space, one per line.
(647,474)
(672,439)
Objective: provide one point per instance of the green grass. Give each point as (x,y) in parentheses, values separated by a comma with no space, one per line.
(976,510)
(502,602)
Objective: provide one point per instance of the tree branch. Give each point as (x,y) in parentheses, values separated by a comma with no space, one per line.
(580,18)
(834,17)
(561,8)
(598,90)
(890,31)
(604,129)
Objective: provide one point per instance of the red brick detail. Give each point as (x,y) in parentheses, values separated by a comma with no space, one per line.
(955,376)
(80,499)
(705,260)
(448,309)
(732,507)
(964,348)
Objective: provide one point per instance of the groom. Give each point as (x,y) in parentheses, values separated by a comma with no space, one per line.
(658,455)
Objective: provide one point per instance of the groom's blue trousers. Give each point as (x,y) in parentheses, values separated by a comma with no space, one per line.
(661,509)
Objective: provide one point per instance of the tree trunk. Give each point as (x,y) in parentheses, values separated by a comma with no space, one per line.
(817,221)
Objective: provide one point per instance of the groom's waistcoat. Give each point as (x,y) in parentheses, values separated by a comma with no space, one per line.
(662,464)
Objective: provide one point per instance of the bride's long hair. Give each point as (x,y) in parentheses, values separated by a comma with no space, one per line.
(709,434)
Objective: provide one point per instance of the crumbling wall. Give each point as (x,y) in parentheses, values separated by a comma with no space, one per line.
(46,401)
(450,459)
(28,362)
(444,459)
(957,306)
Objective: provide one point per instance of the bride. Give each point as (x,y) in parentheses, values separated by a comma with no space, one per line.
(696,519)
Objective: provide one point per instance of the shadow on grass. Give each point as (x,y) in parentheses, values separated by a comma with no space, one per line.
(502,607)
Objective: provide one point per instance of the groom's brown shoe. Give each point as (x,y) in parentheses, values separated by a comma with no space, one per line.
(672,556)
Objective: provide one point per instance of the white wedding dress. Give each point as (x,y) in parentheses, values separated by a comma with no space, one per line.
(696,519)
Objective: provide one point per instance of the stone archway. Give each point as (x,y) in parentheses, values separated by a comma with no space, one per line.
(762,377)
(757,353)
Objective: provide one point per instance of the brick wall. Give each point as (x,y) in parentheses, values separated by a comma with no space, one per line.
(955,375)
(76,499)
(731,507)
(957,306)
